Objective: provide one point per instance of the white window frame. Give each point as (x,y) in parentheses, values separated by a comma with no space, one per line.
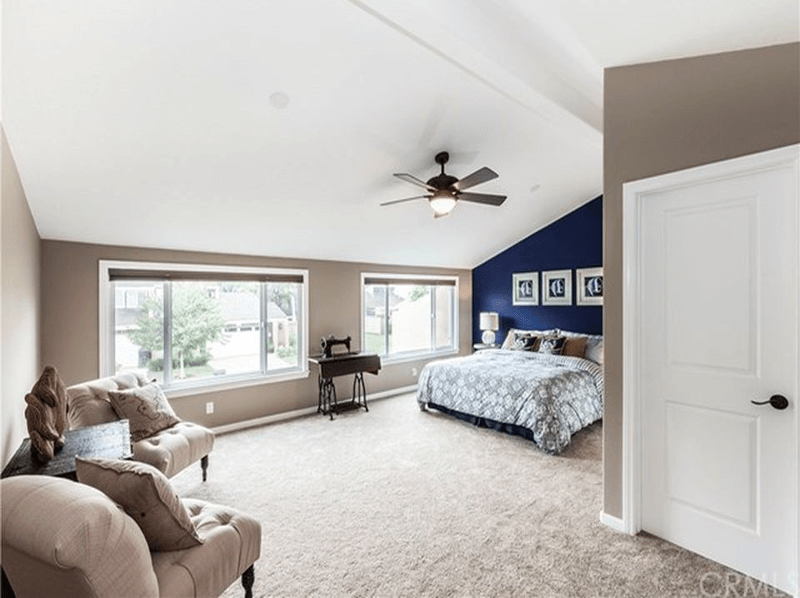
(413,355)
(106,325)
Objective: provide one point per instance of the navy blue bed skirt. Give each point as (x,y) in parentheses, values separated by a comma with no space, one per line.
(483,422)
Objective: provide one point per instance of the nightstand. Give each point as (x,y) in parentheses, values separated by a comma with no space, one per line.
(479,346)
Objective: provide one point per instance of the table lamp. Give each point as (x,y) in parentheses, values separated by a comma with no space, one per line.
(489,322)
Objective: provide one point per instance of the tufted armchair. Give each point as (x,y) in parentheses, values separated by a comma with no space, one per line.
(169,451)
(63,538)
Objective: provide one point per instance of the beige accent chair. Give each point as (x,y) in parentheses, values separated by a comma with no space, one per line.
(169,451)
(63,538)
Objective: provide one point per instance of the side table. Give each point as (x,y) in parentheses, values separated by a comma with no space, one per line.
(109,441)
(479,346)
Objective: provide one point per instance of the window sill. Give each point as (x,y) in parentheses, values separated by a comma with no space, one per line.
(233,383)
(392,359)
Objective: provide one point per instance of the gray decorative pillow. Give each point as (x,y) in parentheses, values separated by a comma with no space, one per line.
(525,342)
(552,345)
(509,340)
(145,407)
(594,349)
(146,495)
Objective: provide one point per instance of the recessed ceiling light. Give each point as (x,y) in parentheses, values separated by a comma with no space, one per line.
(279,100)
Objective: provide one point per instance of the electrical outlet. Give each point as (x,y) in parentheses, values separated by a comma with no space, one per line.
(414,372)
(209,407)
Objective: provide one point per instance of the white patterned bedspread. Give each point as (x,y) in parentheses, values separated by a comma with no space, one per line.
(552,395)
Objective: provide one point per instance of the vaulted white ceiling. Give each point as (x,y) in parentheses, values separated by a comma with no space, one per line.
(149,123)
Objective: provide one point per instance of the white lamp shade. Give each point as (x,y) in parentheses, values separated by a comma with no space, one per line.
(489,320)
(442,202)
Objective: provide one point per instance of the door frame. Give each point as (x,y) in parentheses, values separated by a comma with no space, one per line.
(633,194)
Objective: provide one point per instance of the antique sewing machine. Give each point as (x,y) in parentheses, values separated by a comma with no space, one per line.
(329,342)
(342,363)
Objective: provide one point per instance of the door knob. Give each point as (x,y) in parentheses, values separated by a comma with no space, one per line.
(779,402)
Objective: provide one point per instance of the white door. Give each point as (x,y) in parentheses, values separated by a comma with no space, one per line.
(718,322)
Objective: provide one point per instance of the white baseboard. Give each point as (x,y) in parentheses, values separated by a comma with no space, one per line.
(614,523)
(384,394)
(262,421)
(278,417)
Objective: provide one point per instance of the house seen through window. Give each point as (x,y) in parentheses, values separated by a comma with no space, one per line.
(408,316)
(213,327)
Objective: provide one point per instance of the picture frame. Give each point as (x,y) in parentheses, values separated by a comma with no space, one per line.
(525,288)
(557,287)
(590,286)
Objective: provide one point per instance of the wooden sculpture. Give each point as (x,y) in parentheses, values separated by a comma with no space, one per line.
(46,415)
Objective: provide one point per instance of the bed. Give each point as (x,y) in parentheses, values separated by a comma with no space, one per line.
(543,397)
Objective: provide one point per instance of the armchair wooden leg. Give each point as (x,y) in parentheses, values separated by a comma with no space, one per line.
(204,465)
(6,586)
(248,578)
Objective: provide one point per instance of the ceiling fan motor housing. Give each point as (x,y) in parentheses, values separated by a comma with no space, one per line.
(442,181)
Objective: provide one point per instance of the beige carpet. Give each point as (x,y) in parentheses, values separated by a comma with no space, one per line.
(396,502)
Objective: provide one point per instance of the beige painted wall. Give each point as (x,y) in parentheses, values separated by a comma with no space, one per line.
(70,323)
(19,288)
(666,116)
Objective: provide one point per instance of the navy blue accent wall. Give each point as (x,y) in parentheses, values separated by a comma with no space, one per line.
(573,241)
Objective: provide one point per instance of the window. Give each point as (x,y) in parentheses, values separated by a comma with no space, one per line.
(408,316)
(192,326)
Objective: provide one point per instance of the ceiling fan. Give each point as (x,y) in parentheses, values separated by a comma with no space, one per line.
(445,190)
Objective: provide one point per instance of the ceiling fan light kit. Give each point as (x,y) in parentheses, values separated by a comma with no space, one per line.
(442,202)
(446,190)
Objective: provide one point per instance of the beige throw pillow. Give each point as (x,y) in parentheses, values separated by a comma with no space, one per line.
(147,409)
(594,345)
(575,346)
(146,495)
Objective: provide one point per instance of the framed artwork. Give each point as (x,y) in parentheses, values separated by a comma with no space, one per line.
(590,286)
(526,288)
(557,287)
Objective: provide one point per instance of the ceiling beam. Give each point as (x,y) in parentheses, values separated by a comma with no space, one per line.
(539,65)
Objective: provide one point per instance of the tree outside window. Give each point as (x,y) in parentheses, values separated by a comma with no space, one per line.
(196,322)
